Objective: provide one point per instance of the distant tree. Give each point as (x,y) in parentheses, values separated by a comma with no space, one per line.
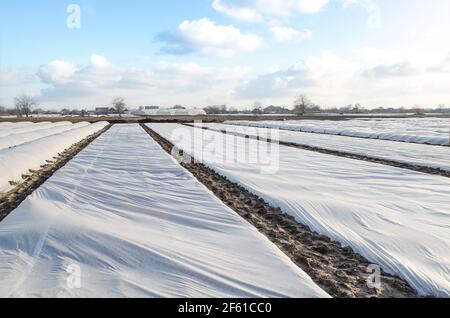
(315,108)
(3,110)
(24,104)
(257,108)
(66,112)
(418,110)
(119,105)
(233,110)
(179,107)
(216,110)
(212,110)
(357,108)
(301,104)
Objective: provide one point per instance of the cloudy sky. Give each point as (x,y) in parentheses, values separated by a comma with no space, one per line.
(235,52)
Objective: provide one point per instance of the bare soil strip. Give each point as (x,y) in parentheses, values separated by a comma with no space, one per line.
(338,270)
(428,170)
(11,200)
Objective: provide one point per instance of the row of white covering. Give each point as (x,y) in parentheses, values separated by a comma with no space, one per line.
(416,154)
(344,128)
(17,138)
(17,161)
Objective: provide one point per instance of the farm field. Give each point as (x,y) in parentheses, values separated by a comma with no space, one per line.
(394,217)
(226,156)
(434,131)
(415,154)
(138,225)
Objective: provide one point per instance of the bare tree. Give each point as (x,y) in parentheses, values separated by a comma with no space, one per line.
(24,104)
(301,104)
(257,108)
(119,105)
(418,111)
(216,110)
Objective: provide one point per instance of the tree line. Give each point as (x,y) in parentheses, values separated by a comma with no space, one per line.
(25,105)
(303,105)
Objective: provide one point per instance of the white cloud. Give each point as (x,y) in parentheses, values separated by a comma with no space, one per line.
(404,68)
(288,34)
(371,7)
(15,77)
(443,67)
(324,70)
(402,80)
(311,6)
(99,61)
(240,13)
(206,38)
(161,83)
(372,77)
(56,71)
(254,10)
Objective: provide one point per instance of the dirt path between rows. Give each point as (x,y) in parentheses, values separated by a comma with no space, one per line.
(417,168)
(338,270)
(34,179)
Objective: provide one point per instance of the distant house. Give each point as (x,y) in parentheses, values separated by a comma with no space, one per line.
(168,112)
(151,107)
(102,110)
(275,110)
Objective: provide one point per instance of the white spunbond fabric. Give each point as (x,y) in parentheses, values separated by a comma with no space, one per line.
(433,133)
(32,128)
(396,218)
(9,125)
(137,225)
(19,127)
(416,154)
(17,139)
(14,162)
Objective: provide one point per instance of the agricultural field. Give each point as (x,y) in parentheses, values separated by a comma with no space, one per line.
(176,210)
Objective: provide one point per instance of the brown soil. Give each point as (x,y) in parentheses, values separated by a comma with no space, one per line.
(337,269)
(11,200)
(434,171)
